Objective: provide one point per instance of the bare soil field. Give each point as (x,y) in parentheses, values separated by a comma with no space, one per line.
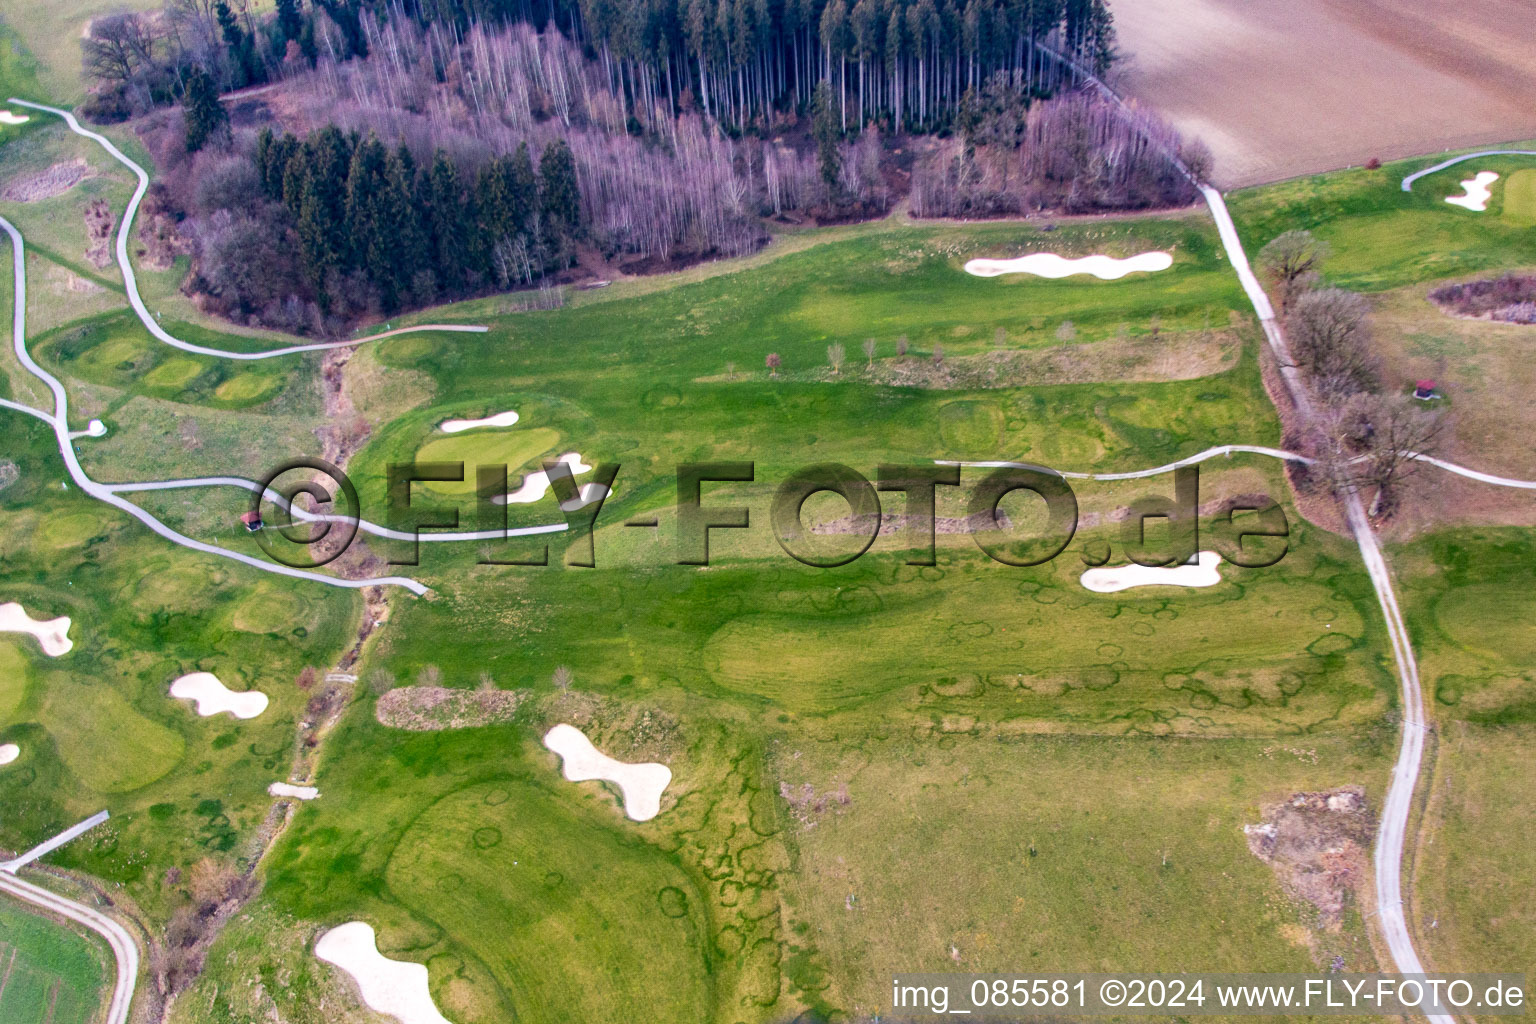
(1279,88)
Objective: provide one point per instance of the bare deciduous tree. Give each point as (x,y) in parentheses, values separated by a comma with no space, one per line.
(430,675)
(1292,259)
(1372,443)
(772,363)
(835,355)
(1330,341)
(562,678)
(869,351)
(120,46)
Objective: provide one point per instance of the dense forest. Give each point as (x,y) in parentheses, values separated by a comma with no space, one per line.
(905,63)
(635,136)
(309,234)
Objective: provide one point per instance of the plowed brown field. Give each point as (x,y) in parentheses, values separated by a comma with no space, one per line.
(1279,88)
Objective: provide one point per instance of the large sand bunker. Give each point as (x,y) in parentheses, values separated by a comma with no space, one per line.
(11,117)
(9,752)
(1048,264)
(297,792)
(1476,192)
(501,419)
(1109,579)
(214,698)
(52,635)
(395,988)
(536,484)
(641,784)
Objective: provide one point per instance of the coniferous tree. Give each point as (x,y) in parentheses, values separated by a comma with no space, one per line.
(290,22)
(204,115)
(449,225)
(558,188)
(523,195)
(399,221)
(368,238)
(824,128)
(323,237)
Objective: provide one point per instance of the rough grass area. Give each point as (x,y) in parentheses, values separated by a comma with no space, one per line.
(1471,612)
(49,972)
(980,855)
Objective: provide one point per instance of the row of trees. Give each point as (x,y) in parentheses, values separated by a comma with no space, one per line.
(305,234)
(1366,434)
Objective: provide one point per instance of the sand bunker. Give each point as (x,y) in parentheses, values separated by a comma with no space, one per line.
(1477,194)
(52,635)
(536,484)
(1048,264)
(297,792)
(641,784)
(395,988)
(95,428)
(9,752)
(501,419)
(11,117)
(214,698)
(1109,579)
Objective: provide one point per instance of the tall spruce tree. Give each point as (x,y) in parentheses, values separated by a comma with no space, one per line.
(450,226)
(290,21)
(559,191)
(203,114)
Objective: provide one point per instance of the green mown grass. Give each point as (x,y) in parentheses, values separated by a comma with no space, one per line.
(96,726)
(1383,237)
(51,972)
(973,710)
(1519,205)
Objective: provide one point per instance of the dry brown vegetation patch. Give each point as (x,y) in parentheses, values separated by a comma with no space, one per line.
(98,228)
(430,708)
(1318,846)
(56,180)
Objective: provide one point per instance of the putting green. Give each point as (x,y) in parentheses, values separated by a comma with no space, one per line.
(268,610)
(512,448)
(114,352)
(1520,197)
(69,531)
(246,387)
(175,372)
(108,745)
(13,680)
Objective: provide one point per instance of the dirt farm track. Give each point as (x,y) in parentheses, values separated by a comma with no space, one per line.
(1279,88)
